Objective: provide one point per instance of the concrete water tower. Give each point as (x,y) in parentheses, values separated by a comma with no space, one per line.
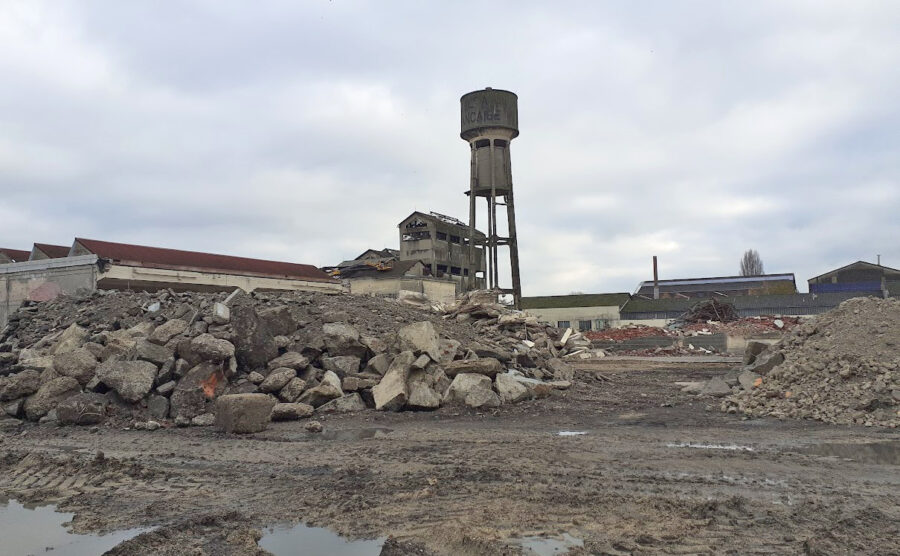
(490,121)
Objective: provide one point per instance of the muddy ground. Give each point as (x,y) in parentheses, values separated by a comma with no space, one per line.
(658,471)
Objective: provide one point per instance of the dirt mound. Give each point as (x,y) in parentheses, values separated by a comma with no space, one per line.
(843,367)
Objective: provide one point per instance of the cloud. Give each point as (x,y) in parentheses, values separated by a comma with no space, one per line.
(306,132)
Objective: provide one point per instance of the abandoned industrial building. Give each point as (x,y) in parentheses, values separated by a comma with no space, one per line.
(92,264)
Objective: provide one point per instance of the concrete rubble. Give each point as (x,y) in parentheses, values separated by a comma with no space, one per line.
(242,360)
(842,367)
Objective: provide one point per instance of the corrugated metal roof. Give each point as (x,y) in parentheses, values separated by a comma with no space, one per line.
(53,251)
(17,255)
(159,257)
(858,264)
(575,300)
(721,280)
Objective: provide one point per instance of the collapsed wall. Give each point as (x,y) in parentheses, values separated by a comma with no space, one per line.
(169,356)
(842,367)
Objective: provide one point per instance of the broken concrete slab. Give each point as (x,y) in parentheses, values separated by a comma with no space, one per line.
(132,380)
(82,409)
(487,367)
(344,404)
(244,413)
(420,337)
(473,390)
(391,393)
(291,411)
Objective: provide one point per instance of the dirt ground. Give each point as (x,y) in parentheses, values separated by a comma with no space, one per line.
(657,472)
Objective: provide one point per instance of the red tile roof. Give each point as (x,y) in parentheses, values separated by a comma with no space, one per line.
(53,251)
(159,257)
(17,255)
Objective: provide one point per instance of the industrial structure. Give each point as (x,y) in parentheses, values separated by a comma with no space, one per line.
(489,122)
(92,264)
(861,277)
(440,242)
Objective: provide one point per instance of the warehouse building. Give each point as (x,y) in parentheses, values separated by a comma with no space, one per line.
(579,311)
(723,286)
(94,264)
(861,277)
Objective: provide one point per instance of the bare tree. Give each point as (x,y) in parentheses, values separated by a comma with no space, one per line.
(751,263)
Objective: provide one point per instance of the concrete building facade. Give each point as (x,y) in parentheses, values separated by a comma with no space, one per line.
(581,312)
(442,244)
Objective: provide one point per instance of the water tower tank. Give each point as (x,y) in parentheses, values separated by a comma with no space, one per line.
(489,109)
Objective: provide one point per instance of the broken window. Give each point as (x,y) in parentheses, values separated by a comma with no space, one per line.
(482,143)
(415,236)
(441,269)
(455,270)
(441,235)
(562,324)
(454,239)
(417,223)
(584,325)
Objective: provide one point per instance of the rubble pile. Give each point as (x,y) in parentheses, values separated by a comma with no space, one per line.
(203,358)
(710,309)
(745,327)
(628,332)
(842,367)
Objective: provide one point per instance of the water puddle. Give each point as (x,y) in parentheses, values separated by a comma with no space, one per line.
(39,530)
(880,453)
(571,433)
(300,539)
(548,546)
(729,447)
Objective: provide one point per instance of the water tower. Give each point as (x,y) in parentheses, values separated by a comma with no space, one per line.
(490,120)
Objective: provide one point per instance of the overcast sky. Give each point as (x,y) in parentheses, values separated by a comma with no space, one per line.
(305,131)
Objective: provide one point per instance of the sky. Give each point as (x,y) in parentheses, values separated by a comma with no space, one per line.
(306,131)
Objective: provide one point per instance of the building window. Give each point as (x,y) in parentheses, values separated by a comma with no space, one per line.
(465,272)
(455,270)
(416,236)
(441,236)
(454,239)
(584,325)
(441,269)
(601,324)
(562,324)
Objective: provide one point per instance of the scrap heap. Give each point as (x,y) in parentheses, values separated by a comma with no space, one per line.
(710,310)
(843,367)
(167,357)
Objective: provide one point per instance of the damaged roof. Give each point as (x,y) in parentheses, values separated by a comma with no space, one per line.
(159,257)
(397,269)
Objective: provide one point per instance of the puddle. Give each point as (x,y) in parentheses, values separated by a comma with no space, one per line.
(300,539)
(40,530)
(730,447)
(353,434)
(548,546)
(571,433)
(881,453)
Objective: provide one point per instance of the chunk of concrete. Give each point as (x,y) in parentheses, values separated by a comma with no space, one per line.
(391,393)
(82,409)
(510,390)
(344,404)
(423,397)
(342,339)
(78,363)
(132,380)
(420,337)
(341,365)
(71,339)
(715,387)
(764,364)
(221,314)
(209,348)
(753,350)
(748,380)
(49,395)
(244,413)
(291,411)
(327,390)
(168,330)
(152,353)
(379,364)
(21,384)
(290,360)
(277,380)
(488,367)
(473,390)
(292,390)
(195,391)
